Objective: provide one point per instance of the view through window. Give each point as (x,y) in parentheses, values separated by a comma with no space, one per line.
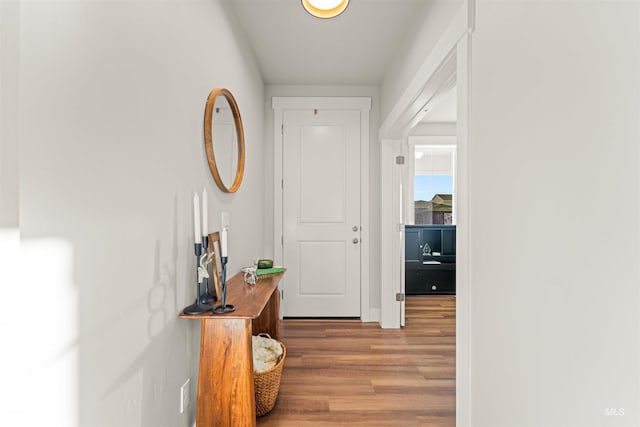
(434,184)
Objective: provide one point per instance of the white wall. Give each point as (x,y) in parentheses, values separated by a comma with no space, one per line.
(112,98)
(374,167)
(9,151)
(412,53)
(554,274)
(9,178)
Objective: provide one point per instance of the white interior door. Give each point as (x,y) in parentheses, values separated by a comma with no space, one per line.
(321,213)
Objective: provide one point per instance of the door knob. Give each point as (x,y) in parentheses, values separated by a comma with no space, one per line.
(355,228)
(356,240)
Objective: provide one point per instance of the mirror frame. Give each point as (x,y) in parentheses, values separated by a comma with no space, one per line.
(208,140)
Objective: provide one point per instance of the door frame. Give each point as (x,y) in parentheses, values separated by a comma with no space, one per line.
(453,48)
(448,59)
(279,104)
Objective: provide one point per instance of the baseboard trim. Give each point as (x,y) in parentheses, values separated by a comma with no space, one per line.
(373,316)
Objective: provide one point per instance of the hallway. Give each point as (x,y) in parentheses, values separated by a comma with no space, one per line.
(347,373)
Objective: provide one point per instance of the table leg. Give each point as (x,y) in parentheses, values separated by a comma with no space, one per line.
(269,319)
(225,379)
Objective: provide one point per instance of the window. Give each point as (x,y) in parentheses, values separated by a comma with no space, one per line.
(434,184)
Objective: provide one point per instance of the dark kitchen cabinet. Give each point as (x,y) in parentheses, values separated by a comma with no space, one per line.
(430,259)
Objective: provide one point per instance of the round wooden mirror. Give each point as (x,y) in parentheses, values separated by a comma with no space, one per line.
(224,140)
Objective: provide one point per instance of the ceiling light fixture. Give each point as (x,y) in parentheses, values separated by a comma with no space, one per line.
(325,8)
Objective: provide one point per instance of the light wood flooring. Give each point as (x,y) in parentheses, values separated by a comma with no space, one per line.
(348,373)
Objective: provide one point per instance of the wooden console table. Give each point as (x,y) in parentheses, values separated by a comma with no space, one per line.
(225,378)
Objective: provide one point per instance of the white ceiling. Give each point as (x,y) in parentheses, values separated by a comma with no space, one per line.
(294,48)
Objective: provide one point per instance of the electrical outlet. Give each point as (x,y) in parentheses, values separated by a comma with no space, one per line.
(184,396)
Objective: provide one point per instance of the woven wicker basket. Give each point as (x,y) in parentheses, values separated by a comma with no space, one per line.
(267,385)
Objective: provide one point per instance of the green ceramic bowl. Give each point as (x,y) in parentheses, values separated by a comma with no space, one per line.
(265,263)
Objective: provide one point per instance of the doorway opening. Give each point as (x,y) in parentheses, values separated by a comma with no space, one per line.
(447,66)
(430,213)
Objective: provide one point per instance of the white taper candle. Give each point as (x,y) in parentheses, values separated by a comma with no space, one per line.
(223,242)
(205,224)
(224,220)
(196,218)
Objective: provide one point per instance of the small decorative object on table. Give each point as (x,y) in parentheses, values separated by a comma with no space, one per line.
(249,275)
(205,260)
(267,272)
(224,307)
(262,268)
(264,263)
(199,306)
(216,264)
